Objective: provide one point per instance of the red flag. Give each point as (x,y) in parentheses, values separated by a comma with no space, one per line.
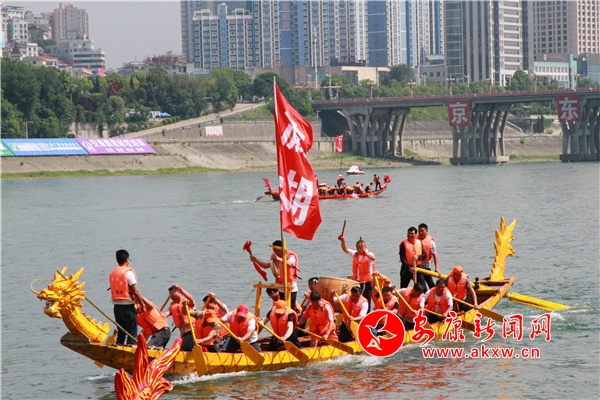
(299,198)
(339,143)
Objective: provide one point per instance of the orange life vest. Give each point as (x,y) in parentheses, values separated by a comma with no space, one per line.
(292,270)
(415,304)
(239,329)
(457,289)
(365,268)
(441,306)
(320,318)
(426,243)
(180,317)
(280,324)
(411,249)
(378,303)
(220,314)
(202,329)
(151,321)
(353,308)
(119,287)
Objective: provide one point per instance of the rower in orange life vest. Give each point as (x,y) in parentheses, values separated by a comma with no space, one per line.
(430,250)
(220,310)
(154,324)
(458,284)
(363,266)
(243,325)
(438,300)
(357,307)
(123,288)
(415,297)
(275,263)
(390,302)
(207,329)
(410,251)
(284,321)
(180,298)
(322,318)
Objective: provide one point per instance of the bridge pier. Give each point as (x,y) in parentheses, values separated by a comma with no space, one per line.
(581,140)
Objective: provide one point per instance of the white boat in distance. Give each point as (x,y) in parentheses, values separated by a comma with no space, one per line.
(355,170)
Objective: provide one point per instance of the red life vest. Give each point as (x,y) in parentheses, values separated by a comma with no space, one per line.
(280,324)
(411,249)
(353,308)
(365,268)
(320,318)
(202,329)
(180,317)
(151,321)
(378,303)
(426,243)
(220,314)
(457,289)
(119,287)
(415,304)
(239,329)
(440,306)
(292,270)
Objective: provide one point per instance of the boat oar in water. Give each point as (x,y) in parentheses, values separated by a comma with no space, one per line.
(516,297)
(334,343)
(197,352)
(353,324)
(289,346)
(246,347)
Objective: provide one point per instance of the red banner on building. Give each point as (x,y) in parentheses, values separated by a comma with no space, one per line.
(299,198)
(339,143)
(459,113)
(569,108)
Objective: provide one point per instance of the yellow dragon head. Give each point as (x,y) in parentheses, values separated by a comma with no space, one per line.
(503,249)
(62,296)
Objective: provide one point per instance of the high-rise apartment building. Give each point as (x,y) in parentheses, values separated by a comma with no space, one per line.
(563,27)
(70,23)
(388,31)
(14,24)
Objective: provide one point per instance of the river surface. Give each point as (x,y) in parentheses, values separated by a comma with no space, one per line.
(190,229)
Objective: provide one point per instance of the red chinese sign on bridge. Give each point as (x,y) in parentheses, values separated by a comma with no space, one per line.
(459,113)
(569,108)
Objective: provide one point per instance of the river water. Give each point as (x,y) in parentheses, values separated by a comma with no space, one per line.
(190,229)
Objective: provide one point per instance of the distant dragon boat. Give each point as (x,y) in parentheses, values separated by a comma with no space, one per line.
(274,194)
(86,336)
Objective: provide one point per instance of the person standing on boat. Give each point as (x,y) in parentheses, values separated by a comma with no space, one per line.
(458,285)
(180,298)
(430,250)
(284,321)
(340,180)
(357,306)
(411,253)
(438,300)
(415,297)
(276,266)
(154,324)
(363,266)
(377,182)
(124,290)
(243,325)
(322,318)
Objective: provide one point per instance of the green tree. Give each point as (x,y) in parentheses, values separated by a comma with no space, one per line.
(401,73)
(263,85)
(586,82)
(12,118)
(20,86)
(521,82)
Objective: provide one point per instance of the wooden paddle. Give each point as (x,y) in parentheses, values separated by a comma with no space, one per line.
(343,228)
(197,352)
(427,324)
(247,348)
(166,301)
(379,289)
(467,325)
(353,324)
(484,311)
(332,342)
(289,346)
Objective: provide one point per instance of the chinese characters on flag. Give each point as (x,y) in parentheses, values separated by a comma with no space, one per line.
(569,108)
(339,144)
(300,213)
(459,113)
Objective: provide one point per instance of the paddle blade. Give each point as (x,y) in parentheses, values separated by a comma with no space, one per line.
(201,368)
(296,352)
(340,346)
(534,302)
(252,353)
(354,329)
(491,314)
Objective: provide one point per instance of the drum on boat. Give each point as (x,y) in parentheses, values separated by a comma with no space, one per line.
(326,284)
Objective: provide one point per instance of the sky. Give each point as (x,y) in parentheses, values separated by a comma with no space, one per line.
(125,30)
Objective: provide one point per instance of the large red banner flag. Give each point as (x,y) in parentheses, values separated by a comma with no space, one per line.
(339,144)
(300,213)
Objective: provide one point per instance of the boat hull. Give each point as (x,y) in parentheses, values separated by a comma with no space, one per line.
(351,196)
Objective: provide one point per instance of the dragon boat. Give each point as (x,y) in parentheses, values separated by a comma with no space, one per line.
(64,295)
(274,194)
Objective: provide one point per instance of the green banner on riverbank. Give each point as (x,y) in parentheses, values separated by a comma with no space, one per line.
(4,151)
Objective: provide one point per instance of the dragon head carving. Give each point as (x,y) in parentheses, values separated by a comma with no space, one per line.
(62,296)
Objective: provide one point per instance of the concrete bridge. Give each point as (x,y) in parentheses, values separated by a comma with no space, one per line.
(376,126)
